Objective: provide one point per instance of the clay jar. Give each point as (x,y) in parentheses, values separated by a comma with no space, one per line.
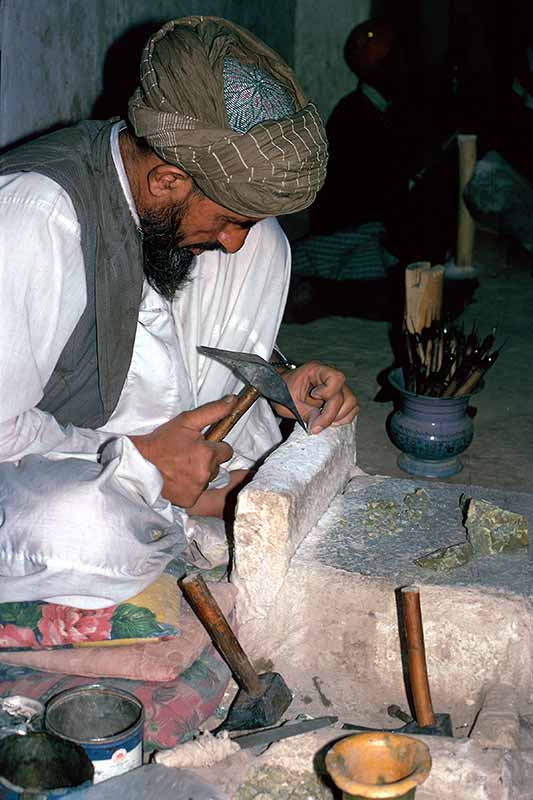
(378,765)
(431,432)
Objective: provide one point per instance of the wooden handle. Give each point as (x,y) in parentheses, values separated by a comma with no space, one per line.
(247,398)
(470,383)
(416,654)
(466,226)
(423,295)
(210,615)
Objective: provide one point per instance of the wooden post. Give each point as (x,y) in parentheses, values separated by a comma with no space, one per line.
(466,227)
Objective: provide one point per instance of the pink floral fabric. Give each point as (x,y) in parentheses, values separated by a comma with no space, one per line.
(60,624)
(26,626)
(173,709)
(15,637)
(162,660)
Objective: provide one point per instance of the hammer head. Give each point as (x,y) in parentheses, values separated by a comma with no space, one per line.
(257,372)
(443,727)
(248,712)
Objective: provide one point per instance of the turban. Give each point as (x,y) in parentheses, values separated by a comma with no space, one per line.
(217,102)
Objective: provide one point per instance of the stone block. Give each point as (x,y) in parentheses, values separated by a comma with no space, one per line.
(333,635)
(498,721)
(290,492)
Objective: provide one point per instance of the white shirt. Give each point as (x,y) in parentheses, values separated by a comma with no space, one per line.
(89,543)
(43,295)
(375,97)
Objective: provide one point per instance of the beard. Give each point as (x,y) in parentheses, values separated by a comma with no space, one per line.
(167,266)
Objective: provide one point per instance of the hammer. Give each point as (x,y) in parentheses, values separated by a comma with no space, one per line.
(426,722)
(261,699)
(260,379)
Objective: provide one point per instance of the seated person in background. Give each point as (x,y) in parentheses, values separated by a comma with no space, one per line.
(386,153)
(124,246)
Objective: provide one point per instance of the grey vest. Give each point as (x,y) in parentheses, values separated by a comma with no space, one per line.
(88,378)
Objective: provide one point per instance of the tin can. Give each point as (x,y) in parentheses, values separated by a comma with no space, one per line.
(108,723)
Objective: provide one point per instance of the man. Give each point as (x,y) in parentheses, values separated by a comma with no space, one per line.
(124,247)
(386,137)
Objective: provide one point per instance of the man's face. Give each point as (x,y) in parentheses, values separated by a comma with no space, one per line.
(173,236)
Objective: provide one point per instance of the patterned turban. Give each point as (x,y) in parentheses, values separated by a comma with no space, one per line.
(218,103)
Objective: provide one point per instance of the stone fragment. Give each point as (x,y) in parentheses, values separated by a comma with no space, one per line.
(492,530)
(447,558)
(382,518)
(416,504)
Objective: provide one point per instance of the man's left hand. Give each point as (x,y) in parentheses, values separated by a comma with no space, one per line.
(321,396)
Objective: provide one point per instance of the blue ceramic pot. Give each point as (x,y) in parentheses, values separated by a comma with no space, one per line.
(431,432)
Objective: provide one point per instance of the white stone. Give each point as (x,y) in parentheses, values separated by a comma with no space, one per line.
(276,510)
(498,723)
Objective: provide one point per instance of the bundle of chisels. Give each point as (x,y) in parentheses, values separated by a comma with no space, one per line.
(442,361)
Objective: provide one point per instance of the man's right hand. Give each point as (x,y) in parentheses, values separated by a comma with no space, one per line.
(184,458)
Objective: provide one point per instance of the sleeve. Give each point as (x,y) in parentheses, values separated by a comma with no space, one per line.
(43,295)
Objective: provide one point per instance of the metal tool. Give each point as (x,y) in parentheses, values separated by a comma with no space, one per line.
(285,731)
(442,727)
(426,722)
(261,379)
(261,699)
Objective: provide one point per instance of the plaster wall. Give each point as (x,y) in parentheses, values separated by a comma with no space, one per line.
(321,30)
(53,54)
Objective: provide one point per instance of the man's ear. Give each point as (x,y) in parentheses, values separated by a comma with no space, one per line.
(167,182)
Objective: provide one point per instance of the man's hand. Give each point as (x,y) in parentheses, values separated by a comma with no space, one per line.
(321,395)
(184,458)
(221,502)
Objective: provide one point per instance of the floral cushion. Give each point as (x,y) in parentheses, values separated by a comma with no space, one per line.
(162,660)
(149,616)
(173,710)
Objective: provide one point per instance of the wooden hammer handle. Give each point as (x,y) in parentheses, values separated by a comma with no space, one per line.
(210,615)
(416,654)
(219,430)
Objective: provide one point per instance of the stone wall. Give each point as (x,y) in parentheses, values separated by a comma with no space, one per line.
(335,621)
(320,35)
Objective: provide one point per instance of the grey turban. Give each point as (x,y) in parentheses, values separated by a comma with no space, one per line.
(218,103)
